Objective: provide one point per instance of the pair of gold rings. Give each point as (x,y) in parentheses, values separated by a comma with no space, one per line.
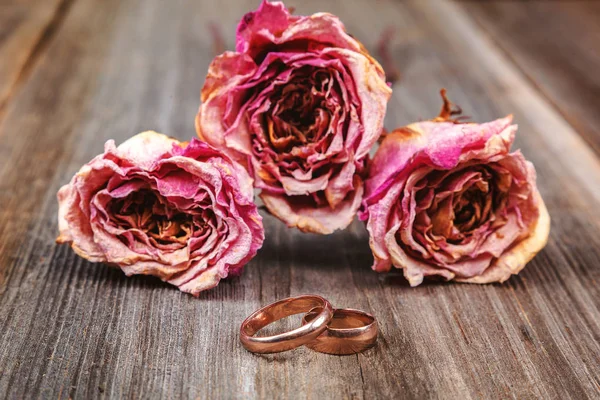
(324,329)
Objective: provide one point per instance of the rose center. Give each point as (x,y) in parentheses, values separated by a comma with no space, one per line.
(452,207)
(300,110)
(471,209)
(146,211)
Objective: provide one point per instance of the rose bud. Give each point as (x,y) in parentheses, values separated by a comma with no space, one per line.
(447,198)
(300,103)
(155,206)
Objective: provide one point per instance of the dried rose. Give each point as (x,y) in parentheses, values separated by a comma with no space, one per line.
(300,103)
(448,199)
(155,206)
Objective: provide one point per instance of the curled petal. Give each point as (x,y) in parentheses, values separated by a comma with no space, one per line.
(144,149)
(299,212)
(226,72)
(73,223)
(513,260)
(439,144)
(272,24)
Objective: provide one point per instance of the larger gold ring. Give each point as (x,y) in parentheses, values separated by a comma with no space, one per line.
(281,309)
(349,332)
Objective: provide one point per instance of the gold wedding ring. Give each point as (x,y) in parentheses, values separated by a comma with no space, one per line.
(341,331)
(349,332)
(281,309)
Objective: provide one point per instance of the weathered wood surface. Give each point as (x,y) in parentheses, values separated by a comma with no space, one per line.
(556,44)
(26,26)
(69,328)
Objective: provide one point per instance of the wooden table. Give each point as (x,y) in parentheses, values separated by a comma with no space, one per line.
(74,73)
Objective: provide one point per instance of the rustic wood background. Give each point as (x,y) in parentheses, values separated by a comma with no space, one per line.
(74,73)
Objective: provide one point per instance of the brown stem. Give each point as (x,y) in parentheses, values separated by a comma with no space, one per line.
(392,71)
(449,111)
(217,38)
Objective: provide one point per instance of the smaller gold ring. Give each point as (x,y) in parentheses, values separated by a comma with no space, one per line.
(281,309)
(349,332)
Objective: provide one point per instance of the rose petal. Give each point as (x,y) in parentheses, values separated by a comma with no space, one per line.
(273,24)
(308,218)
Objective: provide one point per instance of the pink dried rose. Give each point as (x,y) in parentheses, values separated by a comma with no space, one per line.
(299,103)
(155,206)
(448,199)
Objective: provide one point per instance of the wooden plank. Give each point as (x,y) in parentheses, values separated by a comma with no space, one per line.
(556,45)
(72,329)
(26,26)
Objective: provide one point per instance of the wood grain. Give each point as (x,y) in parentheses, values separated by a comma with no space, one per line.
(73,329)
(556,45)
(26,27)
